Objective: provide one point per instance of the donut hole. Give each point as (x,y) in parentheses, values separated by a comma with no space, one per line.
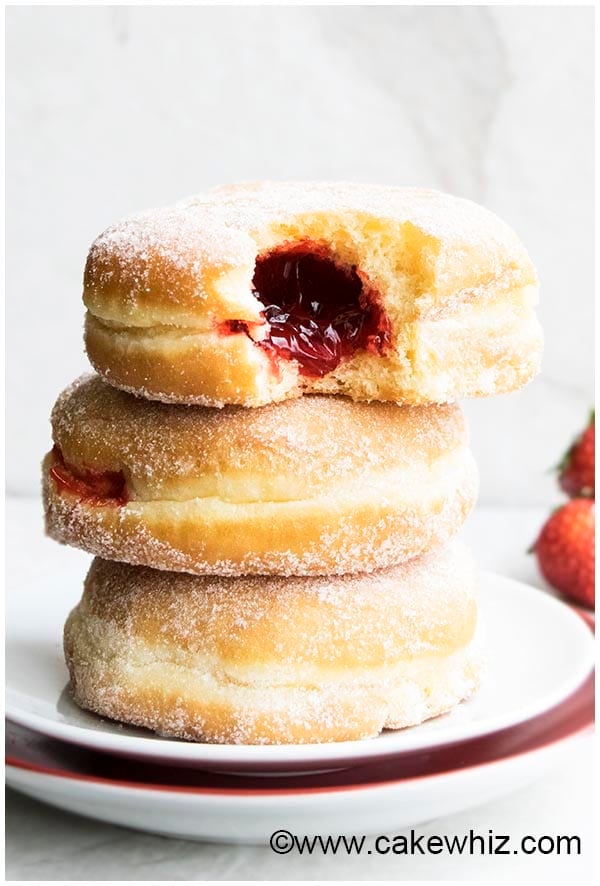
(319,312)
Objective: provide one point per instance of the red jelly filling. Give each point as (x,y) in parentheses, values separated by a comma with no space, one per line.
(93,487)
(319,313)
(232,327)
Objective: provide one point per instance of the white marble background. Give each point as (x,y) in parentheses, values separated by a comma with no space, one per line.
(115,109)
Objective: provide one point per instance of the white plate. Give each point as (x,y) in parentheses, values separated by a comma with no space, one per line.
(539,651)
(378,797)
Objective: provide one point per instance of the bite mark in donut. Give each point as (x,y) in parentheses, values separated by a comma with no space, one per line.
(93,487)
(319,313)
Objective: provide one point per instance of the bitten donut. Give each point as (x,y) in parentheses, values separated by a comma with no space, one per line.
(257,293)
(309,486)
(267,660)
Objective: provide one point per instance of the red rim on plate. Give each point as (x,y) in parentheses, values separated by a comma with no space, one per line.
(30,751)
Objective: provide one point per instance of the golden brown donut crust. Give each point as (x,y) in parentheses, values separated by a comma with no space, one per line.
(457,286)
(308,486)
(270,660)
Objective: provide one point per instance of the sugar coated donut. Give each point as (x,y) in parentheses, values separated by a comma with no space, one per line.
(257,293)
(315,485)
(267,660)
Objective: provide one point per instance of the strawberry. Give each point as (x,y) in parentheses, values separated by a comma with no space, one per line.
(577,469)
(565,550)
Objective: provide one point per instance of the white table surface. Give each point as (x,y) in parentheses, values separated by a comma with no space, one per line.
(43,843)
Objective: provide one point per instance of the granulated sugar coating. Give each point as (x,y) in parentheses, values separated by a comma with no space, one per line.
(311,486)
(447,304)
(306,446)
(263,660)
(223,229)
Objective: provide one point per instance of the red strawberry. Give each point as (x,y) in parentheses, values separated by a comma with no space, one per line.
(577,469)
(565,550)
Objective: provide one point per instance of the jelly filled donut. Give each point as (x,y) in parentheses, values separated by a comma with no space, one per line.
(309,486)
(273,661)
(257,293)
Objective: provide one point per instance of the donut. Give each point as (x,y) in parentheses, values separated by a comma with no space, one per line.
(257,293)
(269,660)
(315,485)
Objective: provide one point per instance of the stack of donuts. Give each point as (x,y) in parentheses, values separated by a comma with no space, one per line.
(270,466)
